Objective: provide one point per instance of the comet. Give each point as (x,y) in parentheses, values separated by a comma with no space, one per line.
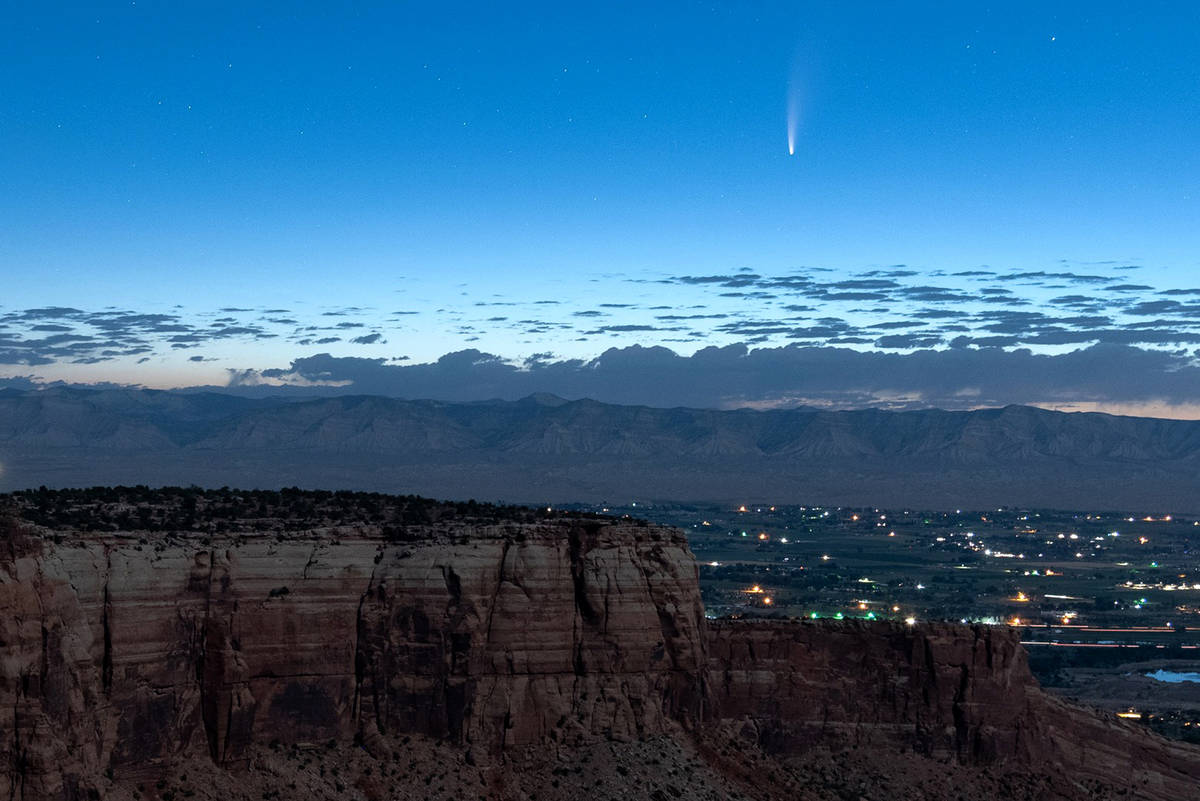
(793,120)
(796,80)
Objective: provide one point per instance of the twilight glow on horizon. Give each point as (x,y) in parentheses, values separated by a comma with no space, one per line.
(938,205)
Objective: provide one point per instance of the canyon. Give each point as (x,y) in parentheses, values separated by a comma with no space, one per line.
(513,644)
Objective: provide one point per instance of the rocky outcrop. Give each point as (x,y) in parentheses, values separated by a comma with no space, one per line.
(121,655)
(943,690)
(124,656)
(962,694)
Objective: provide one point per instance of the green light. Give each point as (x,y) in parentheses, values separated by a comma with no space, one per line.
(838,616)
(870,615)
(814,615)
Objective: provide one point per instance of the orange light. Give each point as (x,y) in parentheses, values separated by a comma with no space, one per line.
(767,601)
(762,535)
(742,508)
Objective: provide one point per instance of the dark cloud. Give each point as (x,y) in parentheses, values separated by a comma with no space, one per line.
(624,329)
(242,330)
(1086,321)
(1041,276)
(972,371)
(893,325)
(24,357)
(933,294)
(83,337)
(908,341)
(1073,300)
(47,313)
(940,314)
(892,273)
(1005,321)
(1157,307)
(369,339)
(730,281)
(984,342)
(826,295)
(865,283)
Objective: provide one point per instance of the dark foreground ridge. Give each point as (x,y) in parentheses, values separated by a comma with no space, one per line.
(546,449)
(485,653)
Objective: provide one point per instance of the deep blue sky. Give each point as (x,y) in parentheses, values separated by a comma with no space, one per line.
(343,162)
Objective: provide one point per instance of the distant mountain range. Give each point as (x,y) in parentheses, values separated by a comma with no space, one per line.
(547,449)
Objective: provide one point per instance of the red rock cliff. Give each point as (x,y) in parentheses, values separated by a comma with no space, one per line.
(122,655)
(938,689)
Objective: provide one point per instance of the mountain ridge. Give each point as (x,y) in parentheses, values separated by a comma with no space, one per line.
(544,447)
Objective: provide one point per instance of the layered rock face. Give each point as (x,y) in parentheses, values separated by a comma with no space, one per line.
(946,691)
(121,655)
(940,689)
(124,656)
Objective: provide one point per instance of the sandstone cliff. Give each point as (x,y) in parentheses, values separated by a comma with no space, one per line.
(953,693)
(527,640)
(120,655)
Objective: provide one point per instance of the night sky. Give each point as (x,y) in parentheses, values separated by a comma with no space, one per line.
(983,206)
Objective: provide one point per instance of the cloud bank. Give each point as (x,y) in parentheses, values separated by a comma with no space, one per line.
(1108,376)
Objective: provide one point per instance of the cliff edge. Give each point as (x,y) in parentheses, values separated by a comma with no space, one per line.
(205,643)
(122,655)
